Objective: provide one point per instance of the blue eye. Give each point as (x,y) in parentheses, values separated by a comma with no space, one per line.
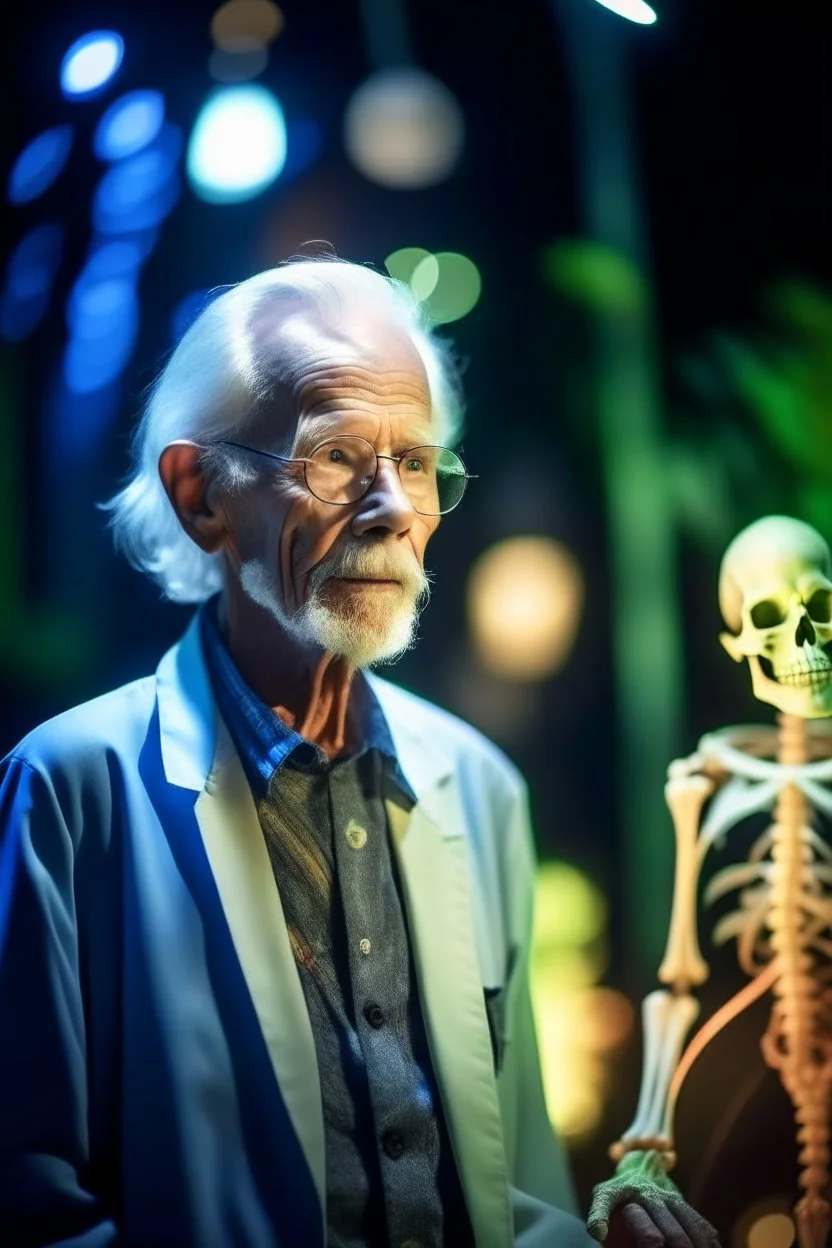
(336,455)
(415,465)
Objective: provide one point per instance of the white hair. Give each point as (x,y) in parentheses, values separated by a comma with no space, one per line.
(223,372)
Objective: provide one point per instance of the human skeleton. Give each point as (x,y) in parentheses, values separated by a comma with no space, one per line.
(775,595)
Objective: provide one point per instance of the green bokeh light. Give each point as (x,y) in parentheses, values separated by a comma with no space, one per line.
(455,290)
(402,264)
(425,277)
(569,909)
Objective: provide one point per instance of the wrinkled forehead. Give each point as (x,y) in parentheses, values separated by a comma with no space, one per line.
(326,363)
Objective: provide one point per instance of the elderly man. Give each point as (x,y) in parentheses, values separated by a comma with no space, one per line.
(264,917)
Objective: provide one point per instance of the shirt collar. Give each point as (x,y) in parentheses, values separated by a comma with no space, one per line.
(263,740)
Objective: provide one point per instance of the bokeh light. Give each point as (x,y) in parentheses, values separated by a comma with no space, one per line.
(765,1223)
(448,284)
(634,10)
(572,1077)
(238,144)
(118,257)
(30,275)
(246,25)
(772,1230)
(402,263)
(572,967)
(609,1019)
(39,164)
(569,907)
(404,129)
(524,601)
(425,278)
(129,124)
(103,319)
(140,191)
(579,1024)
(90,63)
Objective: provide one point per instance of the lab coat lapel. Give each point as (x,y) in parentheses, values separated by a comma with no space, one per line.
(432,855)
(192,732)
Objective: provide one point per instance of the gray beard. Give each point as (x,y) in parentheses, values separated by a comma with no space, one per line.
(358,641)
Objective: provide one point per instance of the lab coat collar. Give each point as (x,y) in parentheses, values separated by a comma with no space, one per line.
(195,741)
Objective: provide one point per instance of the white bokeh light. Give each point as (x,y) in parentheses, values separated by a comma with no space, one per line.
(91,62)
(634,10)
(238,144)
(404,128)
(524,600)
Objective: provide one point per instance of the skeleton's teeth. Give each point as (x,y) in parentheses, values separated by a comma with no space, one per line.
(815,677)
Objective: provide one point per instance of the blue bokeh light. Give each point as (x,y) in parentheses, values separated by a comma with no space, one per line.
(139,192)
(118,257)
(39,164)
(238,144)
(34,262)
(96,305)
(29,277)
(103,318)
(129,125)
(91,63)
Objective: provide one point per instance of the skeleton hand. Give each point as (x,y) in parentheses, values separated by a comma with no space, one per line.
(641,1207)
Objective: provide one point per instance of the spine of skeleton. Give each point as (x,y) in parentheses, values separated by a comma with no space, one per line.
(793,1044)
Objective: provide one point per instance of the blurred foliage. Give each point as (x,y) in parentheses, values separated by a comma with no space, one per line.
(787,384)
(595,275)
(749,429)
(769,400)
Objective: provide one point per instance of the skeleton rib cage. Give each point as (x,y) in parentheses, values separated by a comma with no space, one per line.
(782,925)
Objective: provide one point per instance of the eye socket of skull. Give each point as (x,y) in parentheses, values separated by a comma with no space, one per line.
(819,606)
(766,614)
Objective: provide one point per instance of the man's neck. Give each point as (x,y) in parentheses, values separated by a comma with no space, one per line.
(308,688)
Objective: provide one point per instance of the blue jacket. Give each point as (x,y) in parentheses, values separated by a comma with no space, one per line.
(158,1079)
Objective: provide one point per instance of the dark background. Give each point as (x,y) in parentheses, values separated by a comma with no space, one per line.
(728,109)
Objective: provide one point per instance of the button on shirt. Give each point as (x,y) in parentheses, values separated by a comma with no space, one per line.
(390,1174)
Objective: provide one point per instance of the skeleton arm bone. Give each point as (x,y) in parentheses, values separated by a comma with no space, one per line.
(683,964)
(666,1016)
(666,1021)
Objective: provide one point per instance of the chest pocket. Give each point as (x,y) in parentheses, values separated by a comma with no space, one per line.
(495,1009)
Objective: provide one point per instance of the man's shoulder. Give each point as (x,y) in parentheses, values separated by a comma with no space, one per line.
(112,724)
(463,745)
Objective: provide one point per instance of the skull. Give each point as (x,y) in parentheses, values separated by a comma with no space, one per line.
(776,598)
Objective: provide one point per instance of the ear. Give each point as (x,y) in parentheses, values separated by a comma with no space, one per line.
(192,495)
(729,642)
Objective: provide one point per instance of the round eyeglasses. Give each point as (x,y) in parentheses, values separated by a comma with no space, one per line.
(342,470)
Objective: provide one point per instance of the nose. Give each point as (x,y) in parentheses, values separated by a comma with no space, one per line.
(385,509)
(805,635)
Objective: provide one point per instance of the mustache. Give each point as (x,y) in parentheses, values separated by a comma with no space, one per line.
(373,562)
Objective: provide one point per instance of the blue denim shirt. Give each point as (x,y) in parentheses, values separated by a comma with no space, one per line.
(263,740)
